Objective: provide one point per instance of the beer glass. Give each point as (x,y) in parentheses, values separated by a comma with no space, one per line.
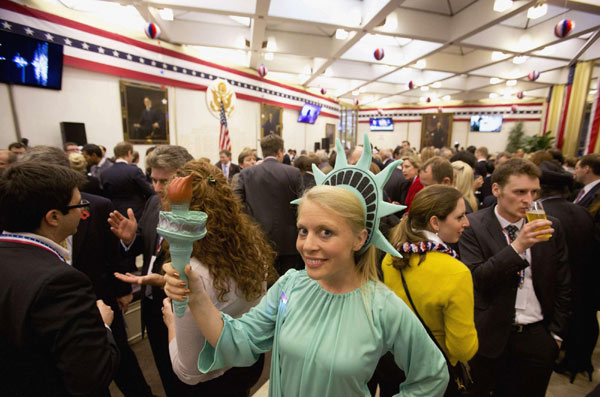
(536,211)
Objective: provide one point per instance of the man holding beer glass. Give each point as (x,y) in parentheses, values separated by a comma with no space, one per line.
(521,283)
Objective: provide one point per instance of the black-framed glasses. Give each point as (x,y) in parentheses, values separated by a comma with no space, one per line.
(83,204)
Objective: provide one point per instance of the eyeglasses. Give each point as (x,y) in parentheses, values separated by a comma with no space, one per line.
(83,204)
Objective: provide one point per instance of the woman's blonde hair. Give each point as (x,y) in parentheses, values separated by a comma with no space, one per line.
(414,160)
(434,200)
(344,203)
(78,162)
(427,153)
(463,180)
(234,247)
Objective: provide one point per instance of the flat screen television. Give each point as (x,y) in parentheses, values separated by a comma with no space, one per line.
(486,123)
(309,113)
(27,61)
(381,124)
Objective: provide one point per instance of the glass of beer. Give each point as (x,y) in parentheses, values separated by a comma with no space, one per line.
(536,211)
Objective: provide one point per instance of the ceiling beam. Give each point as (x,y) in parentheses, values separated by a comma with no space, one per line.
(585,47)
(258,29)
(377,18)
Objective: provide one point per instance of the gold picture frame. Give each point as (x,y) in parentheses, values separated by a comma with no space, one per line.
(270,120)
(143,124)
(436,130)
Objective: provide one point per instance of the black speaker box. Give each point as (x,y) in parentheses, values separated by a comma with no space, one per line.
(317,146)
(73,132)
(325,144)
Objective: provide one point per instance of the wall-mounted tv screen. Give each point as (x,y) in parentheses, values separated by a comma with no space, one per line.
(309,113)
(486,123)
(27,61)
(381,124)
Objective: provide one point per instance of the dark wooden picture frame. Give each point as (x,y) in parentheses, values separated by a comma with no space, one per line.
(270,120)
(141,125)
(436,130)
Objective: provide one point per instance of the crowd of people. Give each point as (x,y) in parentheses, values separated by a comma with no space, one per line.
(467,297)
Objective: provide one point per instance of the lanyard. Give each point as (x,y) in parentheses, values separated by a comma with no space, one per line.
(17,238)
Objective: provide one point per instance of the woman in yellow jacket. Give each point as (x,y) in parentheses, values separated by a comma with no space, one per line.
(439,284)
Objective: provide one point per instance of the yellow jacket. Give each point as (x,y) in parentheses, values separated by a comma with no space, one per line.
(441,288)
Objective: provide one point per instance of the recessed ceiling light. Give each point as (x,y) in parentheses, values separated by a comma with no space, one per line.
(536,12)
(495,80)
(520,59)
(421,64)
(269,56)
(341,34)
(424,88)
(502,5)
(511,83)
(271,44)
(497,55)
(437,84)
(355,92)
(422,99)
(446,97)
(493,95)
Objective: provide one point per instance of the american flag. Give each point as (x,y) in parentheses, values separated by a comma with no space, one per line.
(224,142)
(565,109)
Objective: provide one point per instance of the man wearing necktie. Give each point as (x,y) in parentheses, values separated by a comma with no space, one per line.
(587,171)
(224,164)
(140,237)
(521,286)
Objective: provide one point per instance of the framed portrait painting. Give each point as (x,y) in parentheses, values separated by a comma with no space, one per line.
(436,130)
(144,110)
(330,135)
(270,120)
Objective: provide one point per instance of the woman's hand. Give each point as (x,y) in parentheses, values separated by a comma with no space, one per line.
(168,319)
(176,289)
(150,279)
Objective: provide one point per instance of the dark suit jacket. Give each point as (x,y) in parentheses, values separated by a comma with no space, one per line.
(396,187)
(481,168)
(582,245)
(126,186)
(589,197)
(233,168)
(52,339)
(266,191)
(96,251)
(146,241)
(494,265)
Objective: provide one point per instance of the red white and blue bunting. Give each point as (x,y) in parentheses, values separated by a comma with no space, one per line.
(102,51)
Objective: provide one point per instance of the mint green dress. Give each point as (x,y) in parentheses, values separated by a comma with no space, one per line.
(327,344)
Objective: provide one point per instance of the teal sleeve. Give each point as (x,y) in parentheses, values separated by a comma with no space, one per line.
(244,339)
(414,351)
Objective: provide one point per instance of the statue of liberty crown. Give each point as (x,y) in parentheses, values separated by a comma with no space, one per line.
(368,187)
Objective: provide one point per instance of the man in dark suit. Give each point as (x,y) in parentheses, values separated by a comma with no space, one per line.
(225,165)
(583,252)
(141,238)
(94,250)
(151,124)
(587,171)
(266,191)
(521,284)
(54,339)
(96,162)
(125,184)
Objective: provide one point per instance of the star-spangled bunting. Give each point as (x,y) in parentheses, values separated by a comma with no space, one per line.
(73,42)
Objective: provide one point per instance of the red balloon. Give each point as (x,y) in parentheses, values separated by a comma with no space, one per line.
(323,91)
(378,54)
(411,85)
(356,101)
(428,99)
(514,108)
(440,110)
(520,95)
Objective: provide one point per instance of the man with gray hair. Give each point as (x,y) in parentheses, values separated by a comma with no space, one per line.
(141,238)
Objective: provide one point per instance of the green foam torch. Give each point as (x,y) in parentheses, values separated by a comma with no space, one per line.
(181,227)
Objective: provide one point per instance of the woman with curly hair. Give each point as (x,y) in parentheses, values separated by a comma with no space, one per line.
(234,262)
